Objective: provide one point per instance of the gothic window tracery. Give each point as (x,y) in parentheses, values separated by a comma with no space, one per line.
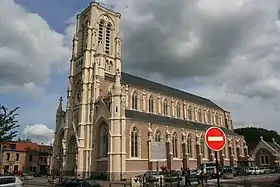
(108,35)
(158,136)
(202,147)
(217,120)
(134,101)
(165,107)
(189,145)
(100,31)
(178,110)
(190,113)
(264,159)
(199,115)
(78,65)
(209,117)
(111,66)
(151,104)
(175,145)
(134,142)
(104,142)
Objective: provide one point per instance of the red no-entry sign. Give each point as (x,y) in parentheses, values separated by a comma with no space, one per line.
(215,138)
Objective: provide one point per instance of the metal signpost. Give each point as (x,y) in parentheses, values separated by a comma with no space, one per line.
(215,139)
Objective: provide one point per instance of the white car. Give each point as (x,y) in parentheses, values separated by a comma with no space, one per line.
(10,181)
(253,171)
(257,171)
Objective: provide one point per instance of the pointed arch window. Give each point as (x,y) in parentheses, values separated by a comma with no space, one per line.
(175,145)
(209,117)
(165,107)
(104,142)
(151,104)
(100,31)
(217,119)
(134,142)
(108,36)
(134,101)
(158,136)
(199,115)
(202,147)
(189,146)
(190,115)
(178,110)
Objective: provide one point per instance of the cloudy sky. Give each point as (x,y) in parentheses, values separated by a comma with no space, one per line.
(228,51)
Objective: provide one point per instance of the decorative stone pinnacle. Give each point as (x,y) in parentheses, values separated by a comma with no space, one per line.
(261,138)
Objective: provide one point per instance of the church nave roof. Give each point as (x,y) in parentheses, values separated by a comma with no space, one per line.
(169,91)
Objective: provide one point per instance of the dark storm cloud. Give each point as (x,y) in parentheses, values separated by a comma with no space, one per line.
(178,39)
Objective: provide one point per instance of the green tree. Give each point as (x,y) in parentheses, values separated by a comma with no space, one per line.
(252,135)
(8,124)
(24,139)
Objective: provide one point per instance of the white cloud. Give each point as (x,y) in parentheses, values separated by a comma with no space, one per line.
(39,133)
(231,50)
(29,49)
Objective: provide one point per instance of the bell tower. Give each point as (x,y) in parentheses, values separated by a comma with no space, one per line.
(96,50)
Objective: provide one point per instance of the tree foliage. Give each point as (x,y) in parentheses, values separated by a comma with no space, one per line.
(23,139)
(8,124)
(252,135)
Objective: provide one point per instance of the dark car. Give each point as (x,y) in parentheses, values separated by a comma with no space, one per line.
(78,183)
(193,175)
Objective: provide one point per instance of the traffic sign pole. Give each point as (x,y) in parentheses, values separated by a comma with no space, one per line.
(217,169)
(216,141)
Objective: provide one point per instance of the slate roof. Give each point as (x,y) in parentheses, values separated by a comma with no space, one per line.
(169,121)
(169,91)
(274,146)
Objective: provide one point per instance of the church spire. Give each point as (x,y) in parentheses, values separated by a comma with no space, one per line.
(59,108)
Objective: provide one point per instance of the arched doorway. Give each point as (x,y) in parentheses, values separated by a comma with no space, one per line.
(101,147)
(72,156)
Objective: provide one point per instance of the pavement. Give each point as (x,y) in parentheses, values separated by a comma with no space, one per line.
(256,180)
(37,181)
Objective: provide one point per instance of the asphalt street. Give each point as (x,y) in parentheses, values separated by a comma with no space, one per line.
(37,181)
(254,179)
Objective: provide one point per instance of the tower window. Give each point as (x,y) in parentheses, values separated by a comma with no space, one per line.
(82,37)
(100,31)
(108,35)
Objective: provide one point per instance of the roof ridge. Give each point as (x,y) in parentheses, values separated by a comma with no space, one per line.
(175,89)
(268,145)
(276,144)
(177,120)
(166,86)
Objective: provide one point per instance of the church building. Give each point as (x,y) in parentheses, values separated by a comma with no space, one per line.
(267,153)
(111,116)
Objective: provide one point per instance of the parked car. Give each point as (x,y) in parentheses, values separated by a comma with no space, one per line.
(193,175)
(210,169)
(265,170)
(8,181)
(253,171)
